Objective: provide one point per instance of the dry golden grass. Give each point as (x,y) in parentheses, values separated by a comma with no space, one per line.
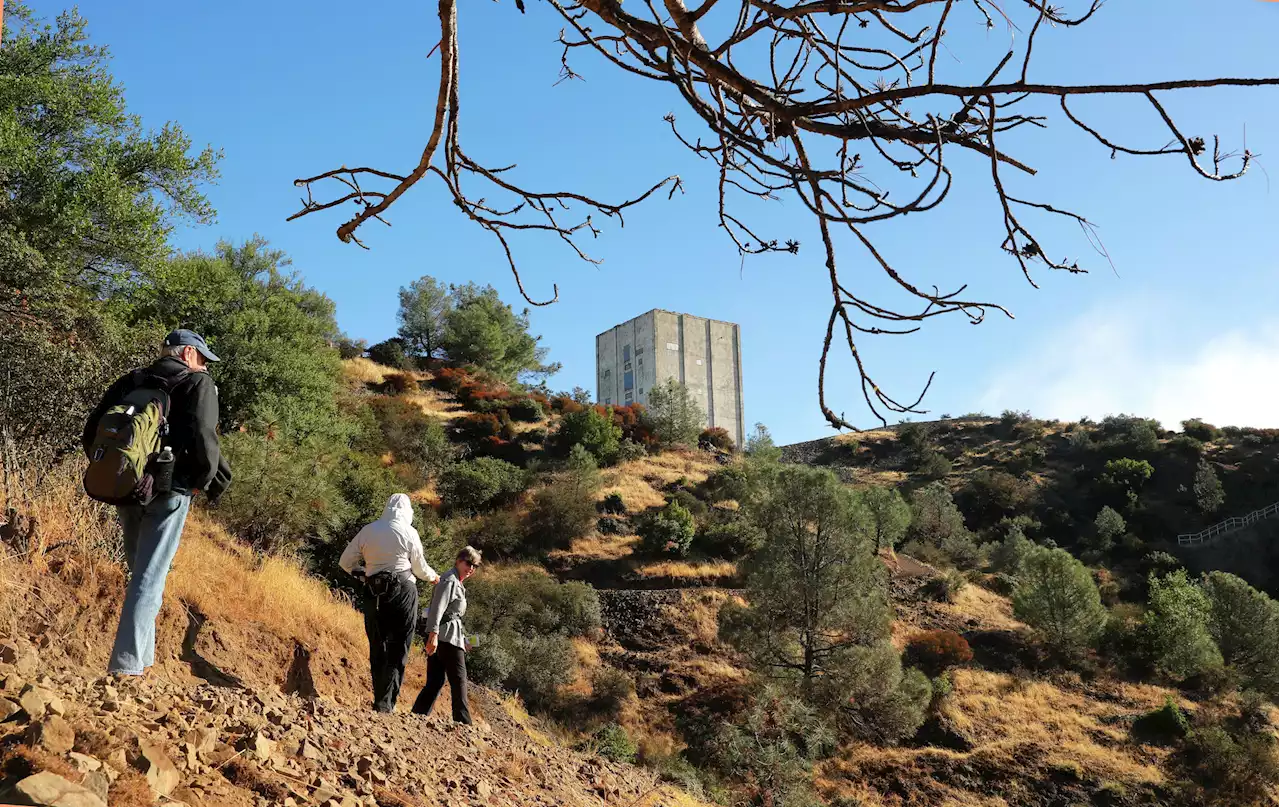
(630,479)
(991,610)
(365,371)
(435,403)
(1000,711)
(598,547)
(709,572)
(272,591)
(698,612)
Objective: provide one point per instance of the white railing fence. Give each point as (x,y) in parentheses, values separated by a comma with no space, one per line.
(1227,527)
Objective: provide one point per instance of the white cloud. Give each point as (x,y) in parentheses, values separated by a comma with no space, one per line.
(1139,359)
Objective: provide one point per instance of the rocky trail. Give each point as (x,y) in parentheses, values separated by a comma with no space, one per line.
(69,738)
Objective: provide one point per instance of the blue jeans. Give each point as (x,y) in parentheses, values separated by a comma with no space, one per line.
(151,536)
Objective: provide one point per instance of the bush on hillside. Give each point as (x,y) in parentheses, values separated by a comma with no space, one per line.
(991,495)
(1107,527)
(1165,725)
(499,534)
(1244,623)
(490,663)
(414,437)
(1229,764)
(592,430)
(613,743)
(390,353)
(673,415)
(937,650)
(1126,475)
(630,451)
(944,587)
(1199,430)
(1057,597)
(1187,447)
(349,348)
(613,505)
(1207,488)
(729,537)
(526,410)
(715,437)
(559,514)
(609,525)
(1177,627)
(479,484)
(543,664)
(916,438)
(399,383)
(668,531)
(1008,556)
(450,379)
(634,422)
(1127,435)
(479,426)
(933,465)
(611,689)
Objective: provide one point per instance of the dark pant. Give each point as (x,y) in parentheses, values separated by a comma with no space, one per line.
(390,615)
(448,661)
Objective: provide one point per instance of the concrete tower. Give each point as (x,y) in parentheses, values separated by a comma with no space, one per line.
(705,355)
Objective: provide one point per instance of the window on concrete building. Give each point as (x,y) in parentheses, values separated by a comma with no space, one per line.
(628,380)
(626,352)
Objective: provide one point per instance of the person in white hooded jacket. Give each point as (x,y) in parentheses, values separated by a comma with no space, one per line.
(387,555)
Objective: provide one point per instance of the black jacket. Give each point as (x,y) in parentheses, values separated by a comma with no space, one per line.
(193,426)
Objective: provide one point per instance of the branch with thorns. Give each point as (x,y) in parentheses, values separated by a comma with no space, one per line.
(782,91)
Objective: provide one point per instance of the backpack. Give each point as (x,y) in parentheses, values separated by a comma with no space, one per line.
(121,468)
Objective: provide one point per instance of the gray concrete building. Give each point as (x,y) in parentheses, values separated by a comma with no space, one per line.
(705,355)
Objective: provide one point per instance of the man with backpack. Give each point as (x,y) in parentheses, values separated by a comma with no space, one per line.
(152,445)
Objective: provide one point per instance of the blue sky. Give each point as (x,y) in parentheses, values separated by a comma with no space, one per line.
(1187,326)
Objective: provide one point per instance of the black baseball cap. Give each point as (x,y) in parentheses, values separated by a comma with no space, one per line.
(182,336)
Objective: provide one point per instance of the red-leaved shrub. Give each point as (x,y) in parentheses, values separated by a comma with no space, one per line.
(936,650)
(715,437)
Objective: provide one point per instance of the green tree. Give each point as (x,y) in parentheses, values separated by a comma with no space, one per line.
(937,532)
(1010,555)
(424,308)
(1177,626)
(482,330)
(1056,595)
(1126,475)
(675,417)
(88,198)
(669,531)
(273,332)
(1207,488)
(593,432)
(771,746)
(1244,623)
(565,509)
(828,637)
(1107,527)
(890,515)
(760,446)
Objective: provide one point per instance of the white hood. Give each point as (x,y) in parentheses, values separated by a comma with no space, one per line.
(399,510)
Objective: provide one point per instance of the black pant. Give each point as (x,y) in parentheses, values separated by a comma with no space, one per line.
(390,615)
(448,661)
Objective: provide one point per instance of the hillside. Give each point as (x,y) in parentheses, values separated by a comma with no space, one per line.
(1014,726)
(258,696)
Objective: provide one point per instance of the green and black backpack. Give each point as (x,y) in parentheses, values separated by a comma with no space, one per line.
(128,440)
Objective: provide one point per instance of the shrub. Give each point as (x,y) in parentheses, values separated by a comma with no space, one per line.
(612,743)
(1207,488)
(497,534)
(669,531)
(629,451)
(559,514)
(992,495)
(414,437)
(1107,527)
(608,525)
(1186,446)
(1125,434)
(1243,623)
(450,379)
(542,665)
(934,516)
(1199,430)
(349,348)
(526,410)
(489,663)
(730,539)
(689,502)
(611,688)
(916,438)
(673,415)
(932,465)
(1002,583)
(1232,767)
(945,587)
(715,437)
(1080,440)
(613,504)
(889,514)
(962,550)
(1010,554)
(1126,474)
(390,354)
(1177,627)
(1056,596)
(936,650)
(1164,725)
(399,383)
(479,426)
(593,431)
(730,483)
(481,483)
(535,436)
